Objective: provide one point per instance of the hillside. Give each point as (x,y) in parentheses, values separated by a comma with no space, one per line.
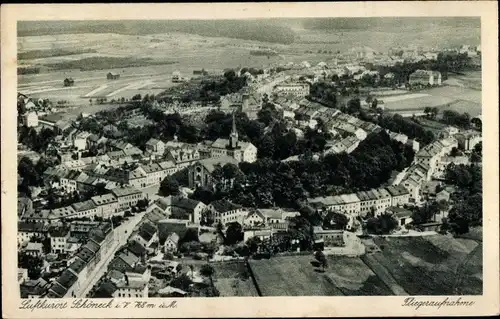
(258,30)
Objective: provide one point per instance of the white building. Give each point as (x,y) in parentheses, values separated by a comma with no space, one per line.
(106,204)
(30,119)
(299,89)
(226,212)
(127,197)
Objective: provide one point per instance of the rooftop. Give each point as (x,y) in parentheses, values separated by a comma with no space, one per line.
(125,191)
(224,205)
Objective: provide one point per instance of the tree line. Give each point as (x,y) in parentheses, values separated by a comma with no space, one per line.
(267,182)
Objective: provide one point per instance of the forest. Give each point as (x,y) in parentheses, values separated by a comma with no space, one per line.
(269,182)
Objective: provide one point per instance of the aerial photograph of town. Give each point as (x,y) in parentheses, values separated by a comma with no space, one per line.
(255,157)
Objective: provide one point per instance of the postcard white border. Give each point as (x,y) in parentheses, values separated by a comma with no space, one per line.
(488,304)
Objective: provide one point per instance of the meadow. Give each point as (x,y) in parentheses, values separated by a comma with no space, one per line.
(430,265)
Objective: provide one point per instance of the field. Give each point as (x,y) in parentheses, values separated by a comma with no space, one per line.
(232,279)
(296,276)
(436,265)
(430,265)
(449,96)
(118,53)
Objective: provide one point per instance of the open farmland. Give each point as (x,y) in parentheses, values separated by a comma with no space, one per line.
(431,264)
(436,264)
(296,276)
(233,279)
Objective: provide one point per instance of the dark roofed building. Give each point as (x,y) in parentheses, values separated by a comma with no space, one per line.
(105,290)
(224,205)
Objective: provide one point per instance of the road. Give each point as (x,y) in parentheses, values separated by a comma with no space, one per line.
(122,233)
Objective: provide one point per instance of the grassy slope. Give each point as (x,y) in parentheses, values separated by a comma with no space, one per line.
(296,276)
(427,266)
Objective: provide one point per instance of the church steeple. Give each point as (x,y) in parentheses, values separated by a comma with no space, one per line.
(233,137)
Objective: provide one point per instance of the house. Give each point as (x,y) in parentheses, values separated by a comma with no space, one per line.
(33,288)
(200,173)
(125,261)
(81,229)
(116,277)
(146,235)
(112,76)
(180,207)
(347,204)
(468,140)
(399,195)
(233,147)
(171,243)
(254,218)
(169,226)
(331,237)
(155,146)
(131,289)
(59,236)
(103,235)
(424,77)
(226,212)
(182,154)
(85,209)
(260,233)
(26,231)
(80,140)
(170,291)
(34,249)
(443,195)
(30,119)
(137,249)
(107,205)
(127,197)
(107,289)
(402,215)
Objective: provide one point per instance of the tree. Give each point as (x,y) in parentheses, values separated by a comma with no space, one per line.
(321,258)
(182,282)
(383,224)
(253,244)
(234,233)
(169,186)
(203,194)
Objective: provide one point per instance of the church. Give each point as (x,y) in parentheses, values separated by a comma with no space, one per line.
(232,147)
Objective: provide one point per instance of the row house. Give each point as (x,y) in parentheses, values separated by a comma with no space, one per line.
(183,156)
(363,202)
(127,197)
(107,205)
(83,264)
(430,154)
(85,209)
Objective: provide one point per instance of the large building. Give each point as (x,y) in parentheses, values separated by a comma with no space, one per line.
(424,77)
(233,147)
(299,89)
(200,173)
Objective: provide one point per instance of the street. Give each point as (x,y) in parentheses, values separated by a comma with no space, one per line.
(122,233)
